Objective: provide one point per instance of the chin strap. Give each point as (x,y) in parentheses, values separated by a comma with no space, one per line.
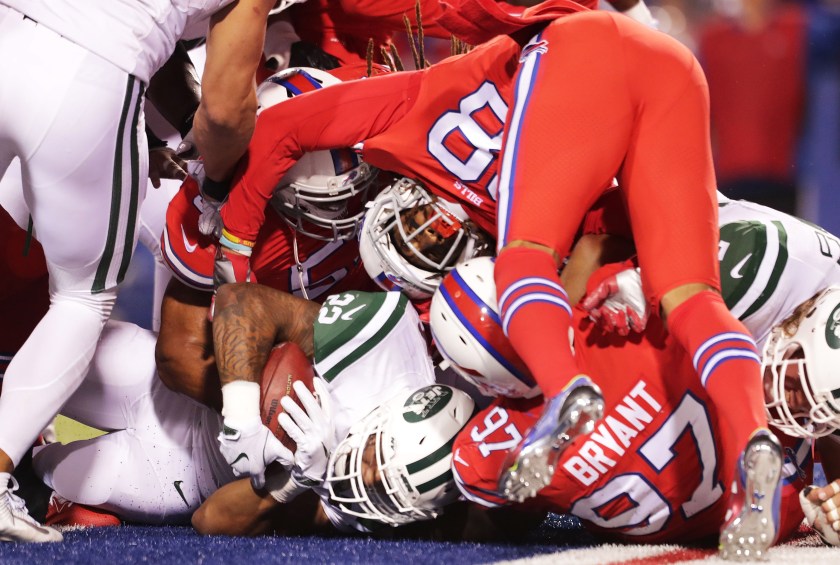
(298,265)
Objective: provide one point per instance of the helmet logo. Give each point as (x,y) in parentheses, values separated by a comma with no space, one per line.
(426,402)
(832,329)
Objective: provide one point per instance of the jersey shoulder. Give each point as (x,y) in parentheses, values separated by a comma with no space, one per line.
(481,447)
(351,324)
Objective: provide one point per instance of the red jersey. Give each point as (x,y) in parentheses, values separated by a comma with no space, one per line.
(442,126)
(652,470)
(342,28)
(326,267)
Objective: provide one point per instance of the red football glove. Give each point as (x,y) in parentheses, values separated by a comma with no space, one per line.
(615,300)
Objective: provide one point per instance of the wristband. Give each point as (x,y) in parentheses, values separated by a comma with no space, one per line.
(237,244)
(241,401)
(280,485)
(217,190)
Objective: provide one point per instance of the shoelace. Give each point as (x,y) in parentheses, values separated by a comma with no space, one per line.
(17,504)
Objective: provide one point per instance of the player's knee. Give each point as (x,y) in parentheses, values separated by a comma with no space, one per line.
(101,303)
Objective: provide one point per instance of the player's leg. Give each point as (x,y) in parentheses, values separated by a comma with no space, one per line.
(566,137)
(668,178)
(82,153)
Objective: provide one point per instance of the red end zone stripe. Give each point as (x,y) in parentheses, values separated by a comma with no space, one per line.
(673,556)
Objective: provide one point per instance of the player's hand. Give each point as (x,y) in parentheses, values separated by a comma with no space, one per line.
(210,220)
(617,303)
(820,506)
(310,426)
(231,266)
(187,148)
(164,163)
(249,447)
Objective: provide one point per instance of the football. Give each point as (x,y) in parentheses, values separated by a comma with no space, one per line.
(286,364)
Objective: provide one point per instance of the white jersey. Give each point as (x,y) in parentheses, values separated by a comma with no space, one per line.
(138,36)
(770,262)
(368,348)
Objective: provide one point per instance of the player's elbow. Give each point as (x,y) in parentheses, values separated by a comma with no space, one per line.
(227,113)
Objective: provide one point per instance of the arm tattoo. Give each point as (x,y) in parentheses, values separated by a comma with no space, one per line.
(249,320)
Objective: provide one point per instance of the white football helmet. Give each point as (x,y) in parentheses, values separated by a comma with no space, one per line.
(811,355)
(409,440)
(323,194)
(384,234)
(465,324)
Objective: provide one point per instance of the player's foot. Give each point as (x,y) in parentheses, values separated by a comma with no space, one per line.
(573,412)
(15,522)
(752,521)
(63,512)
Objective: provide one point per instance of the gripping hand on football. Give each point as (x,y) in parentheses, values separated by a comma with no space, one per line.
(311,427)
(617,303)
(250,447)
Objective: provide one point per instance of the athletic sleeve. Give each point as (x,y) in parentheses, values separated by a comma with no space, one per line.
(332,118)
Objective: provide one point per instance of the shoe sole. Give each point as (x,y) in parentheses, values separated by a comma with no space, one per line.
(534,464)
(749,536)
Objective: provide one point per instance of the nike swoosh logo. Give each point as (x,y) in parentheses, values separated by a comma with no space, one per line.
(736,273)
(181,493)
(190,246)
(241,456)
(348,316)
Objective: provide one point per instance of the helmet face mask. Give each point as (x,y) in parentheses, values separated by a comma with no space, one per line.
(801,370)
(410,239)
(323,194)
(329,208)
(394,465)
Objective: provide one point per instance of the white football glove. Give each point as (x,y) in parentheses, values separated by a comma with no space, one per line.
(311,427)
(210,221)
(618,304)
(817,518)
(250,447)
(187,149)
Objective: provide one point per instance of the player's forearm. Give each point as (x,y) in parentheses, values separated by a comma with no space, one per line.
(225,118)
(304,124)
(249,319)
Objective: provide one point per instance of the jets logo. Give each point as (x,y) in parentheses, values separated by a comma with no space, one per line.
(832,329)
(426,402)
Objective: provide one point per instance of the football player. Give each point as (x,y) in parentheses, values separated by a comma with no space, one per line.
(84,179)
(373,444)
(465,106)
(652,469)
(307,245)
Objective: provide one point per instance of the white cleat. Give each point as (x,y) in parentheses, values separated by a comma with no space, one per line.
(573,412)
(752,522)
(15,522)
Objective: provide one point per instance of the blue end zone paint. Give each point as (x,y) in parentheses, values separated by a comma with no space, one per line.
(181,545)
